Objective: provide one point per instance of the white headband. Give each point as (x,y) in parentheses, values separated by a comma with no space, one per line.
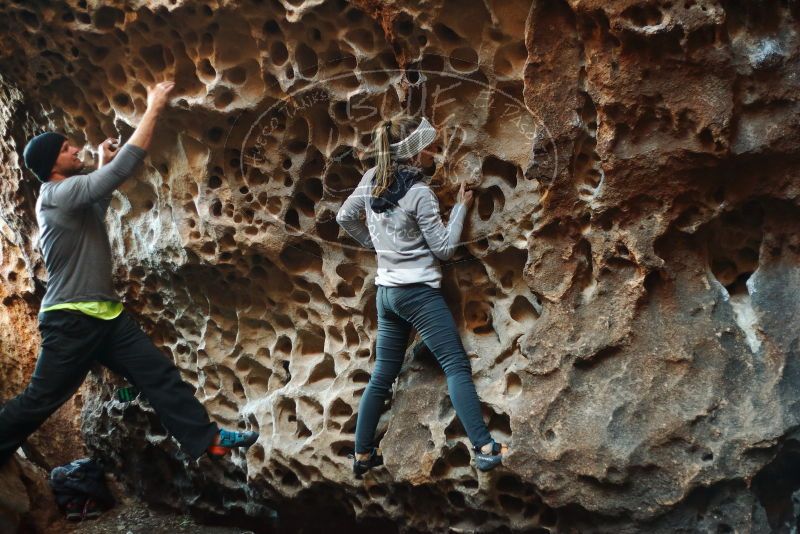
(416,141)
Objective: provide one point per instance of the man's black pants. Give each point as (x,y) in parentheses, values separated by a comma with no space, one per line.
(71,342)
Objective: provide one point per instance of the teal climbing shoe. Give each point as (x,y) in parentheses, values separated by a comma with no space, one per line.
(229,440)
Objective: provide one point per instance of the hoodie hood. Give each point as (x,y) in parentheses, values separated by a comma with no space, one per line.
(404,178)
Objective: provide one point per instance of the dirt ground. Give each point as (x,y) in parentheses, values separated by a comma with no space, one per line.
(133,517)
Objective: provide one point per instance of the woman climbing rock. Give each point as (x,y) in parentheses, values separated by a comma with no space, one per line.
(404,227)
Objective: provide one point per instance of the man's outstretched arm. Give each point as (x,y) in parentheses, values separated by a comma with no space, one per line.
(157,98)
(87,189)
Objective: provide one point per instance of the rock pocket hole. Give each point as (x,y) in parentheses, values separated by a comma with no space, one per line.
(464,59)
(478,317)
(324,371)
(454,430)
(643,15)
(340,409)
(306,60)
(278,53)
(489,200)
(302,257)
(513,385)
(734,241)
(499,425)
(502,169)
(154,57)
(458,456)
(522,310)
(511,504)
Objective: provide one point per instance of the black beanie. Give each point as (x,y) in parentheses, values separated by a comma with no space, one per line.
(41,153)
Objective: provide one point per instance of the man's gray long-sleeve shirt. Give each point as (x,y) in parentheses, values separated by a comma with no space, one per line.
(408,239)
(73,237)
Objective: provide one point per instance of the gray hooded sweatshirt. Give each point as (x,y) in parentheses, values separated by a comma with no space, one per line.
(409,239)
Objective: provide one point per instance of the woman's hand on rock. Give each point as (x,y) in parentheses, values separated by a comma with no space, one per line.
(464,196)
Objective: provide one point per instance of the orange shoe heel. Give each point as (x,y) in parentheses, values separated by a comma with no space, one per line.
(216,451)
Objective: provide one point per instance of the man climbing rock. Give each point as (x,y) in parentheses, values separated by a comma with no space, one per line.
(82,319)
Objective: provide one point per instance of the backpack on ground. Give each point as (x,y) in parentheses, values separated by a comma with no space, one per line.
(80,489)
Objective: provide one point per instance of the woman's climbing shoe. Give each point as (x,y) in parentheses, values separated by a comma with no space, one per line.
(490,460)
(362,466)
(227,440)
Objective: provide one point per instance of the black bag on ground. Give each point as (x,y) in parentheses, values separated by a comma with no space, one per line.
(80,489)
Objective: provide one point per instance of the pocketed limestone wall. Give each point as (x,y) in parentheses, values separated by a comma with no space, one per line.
(627,288)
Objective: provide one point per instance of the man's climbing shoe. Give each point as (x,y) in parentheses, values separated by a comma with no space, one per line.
(91,510)
(362,466)
(74,510)
(227,440)
(79,510)
(488,461)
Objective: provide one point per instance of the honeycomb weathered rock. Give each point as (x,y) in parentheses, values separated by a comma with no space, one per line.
(628,287)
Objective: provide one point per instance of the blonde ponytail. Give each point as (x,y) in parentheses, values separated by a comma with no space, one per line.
(385,165)
(387,132)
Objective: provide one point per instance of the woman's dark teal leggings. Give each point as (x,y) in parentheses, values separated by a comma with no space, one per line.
(421,307)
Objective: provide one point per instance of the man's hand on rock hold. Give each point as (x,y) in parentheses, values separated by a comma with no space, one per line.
(157,99)
(108,150)
(158,95)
